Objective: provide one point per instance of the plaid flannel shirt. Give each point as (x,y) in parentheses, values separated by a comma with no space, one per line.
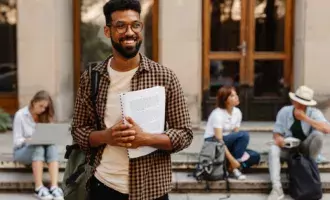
(151,175)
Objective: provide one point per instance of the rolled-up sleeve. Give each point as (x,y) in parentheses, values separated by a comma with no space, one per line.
(83,122)
(318,116)
(177,117)
(279,126)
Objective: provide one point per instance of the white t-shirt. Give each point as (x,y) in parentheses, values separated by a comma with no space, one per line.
(220,118)
(113,170)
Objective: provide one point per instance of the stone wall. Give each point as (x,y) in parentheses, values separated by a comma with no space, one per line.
(311,49)
(45,55)
(180,44)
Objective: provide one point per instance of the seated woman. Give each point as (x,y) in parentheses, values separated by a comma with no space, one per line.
(223,124)
(40,110)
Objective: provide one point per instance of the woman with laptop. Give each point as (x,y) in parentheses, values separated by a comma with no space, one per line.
(40,110)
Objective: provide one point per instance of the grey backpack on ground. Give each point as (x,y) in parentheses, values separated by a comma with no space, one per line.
(212,163)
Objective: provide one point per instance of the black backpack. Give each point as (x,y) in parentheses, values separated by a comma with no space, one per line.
(77,170)
(212,164)
(304,178)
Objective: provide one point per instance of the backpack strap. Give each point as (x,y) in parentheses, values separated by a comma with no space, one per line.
(226,174)
(95,79)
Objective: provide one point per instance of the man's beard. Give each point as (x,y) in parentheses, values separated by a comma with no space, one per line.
(126,52)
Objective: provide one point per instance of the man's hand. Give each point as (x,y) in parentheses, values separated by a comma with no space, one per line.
(299,114)
(119,135)
(279,140)
(141,138)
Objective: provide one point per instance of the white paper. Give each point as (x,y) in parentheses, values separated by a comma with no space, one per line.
(147,108)
(289,142)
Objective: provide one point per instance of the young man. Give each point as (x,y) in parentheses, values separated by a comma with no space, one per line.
(115,175)
(301,121)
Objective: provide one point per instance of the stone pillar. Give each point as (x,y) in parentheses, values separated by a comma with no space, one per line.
(45,52)
(180,28)
(311,49)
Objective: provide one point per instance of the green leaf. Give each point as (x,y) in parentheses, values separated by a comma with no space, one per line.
(5,120)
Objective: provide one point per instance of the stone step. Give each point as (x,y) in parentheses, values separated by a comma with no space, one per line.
(172,196)
(262,126)
(261,183)
(180,162)
(182,183)
(183,161)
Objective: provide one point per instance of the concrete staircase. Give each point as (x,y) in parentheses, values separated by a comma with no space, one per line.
(15,177)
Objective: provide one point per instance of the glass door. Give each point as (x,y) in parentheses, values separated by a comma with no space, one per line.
(224,49)
(269,57)
(248,44)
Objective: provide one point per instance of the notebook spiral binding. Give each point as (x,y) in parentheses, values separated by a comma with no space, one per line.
(122,114)
(122,107)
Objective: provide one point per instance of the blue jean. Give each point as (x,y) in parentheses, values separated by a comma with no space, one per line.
(237,143)
(29,153)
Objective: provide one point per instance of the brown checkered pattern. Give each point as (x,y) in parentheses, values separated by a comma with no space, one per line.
(151,175)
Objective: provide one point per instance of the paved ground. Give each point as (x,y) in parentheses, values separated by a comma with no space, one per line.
(172,197)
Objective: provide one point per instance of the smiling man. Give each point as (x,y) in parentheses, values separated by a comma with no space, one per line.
(114,174)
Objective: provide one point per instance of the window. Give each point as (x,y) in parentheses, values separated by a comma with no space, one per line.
(95,46)
(8,68)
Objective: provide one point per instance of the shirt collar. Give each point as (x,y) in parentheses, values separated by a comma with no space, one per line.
(308,112)
(26,111)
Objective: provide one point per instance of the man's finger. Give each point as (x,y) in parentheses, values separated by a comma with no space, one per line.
(125,145)
(121,126)
(127,133)
(130,120)
(123,133)
(125,139)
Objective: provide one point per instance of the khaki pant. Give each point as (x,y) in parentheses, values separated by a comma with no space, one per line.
(311,146)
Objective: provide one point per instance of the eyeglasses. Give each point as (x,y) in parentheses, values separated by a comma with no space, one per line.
(122,27)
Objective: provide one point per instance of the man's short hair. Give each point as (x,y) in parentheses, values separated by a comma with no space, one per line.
(120,5)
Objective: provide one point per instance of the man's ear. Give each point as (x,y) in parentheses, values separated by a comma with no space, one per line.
(107,30)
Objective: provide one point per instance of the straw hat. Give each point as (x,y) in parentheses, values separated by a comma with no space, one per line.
(303,95)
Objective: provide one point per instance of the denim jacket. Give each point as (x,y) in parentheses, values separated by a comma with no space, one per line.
(284,120)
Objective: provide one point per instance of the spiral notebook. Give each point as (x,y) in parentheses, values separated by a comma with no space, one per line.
(147,108)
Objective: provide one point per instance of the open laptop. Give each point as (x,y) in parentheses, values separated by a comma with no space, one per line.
(51,133)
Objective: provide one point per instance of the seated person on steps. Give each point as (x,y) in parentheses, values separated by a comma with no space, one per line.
(301,121)
(40,110)
(223,124)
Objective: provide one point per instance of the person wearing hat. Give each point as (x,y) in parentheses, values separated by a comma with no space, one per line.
(302,121)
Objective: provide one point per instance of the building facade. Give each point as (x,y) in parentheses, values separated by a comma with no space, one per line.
(264,48)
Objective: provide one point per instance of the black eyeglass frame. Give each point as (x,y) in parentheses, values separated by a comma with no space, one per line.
(125,29)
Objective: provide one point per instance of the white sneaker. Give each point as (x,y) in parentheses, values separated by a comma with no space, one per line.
(238,174)
(276,194)
(43,194)
(57,193)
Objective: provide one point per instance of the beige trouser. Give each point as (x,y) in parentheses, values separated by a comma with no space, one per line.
(311,146)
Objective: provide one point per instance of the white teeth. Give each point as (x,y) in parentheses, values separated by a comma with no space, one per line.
(128,41)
